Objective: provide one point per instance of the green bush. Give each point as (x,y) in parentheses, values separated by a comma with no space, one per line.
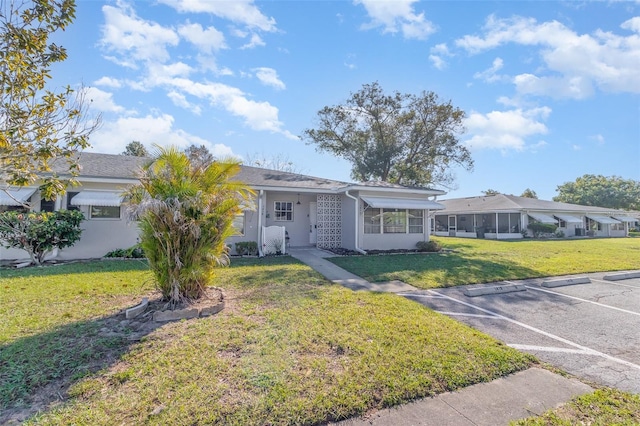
(39,233)
(428,246)
(247,248)
(134,252)
(541,228)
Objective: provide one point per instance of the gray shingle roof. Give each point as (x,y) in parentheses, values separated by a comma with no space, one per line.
(113,166)
(503,202)
(257,177)
(109,166)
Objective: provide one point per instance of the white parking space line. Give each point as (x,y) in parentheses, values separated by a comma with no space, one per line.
(548,349)
(461,314)
(585,349)
(584,300)
(615,283)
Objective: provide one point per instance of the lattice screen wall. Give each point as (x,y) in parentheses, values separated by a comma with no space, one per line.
(329,221)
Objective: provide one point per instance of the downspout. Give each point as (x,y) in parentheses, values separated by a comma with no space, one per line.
(358,249)
(260,254)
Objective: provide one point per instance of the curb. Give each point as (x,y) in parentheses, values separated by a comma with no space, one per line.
(565,281)
(621,276)
(137,310)
(494,289)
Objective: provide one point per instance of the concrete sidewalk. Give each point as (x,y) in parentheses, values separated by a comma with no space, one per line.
(317,260)
(520,395)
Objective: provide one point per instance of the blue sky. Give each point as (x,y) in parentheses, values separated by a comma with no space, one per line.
(551,90)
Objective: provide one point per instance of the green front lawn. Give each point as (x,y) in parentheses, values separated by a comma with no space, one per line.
(604,407)
(289,348)
(469,261)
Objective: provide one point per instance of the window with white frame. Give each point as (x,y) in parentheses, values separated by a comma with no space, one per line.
(393,221)
(104,212)
(238,224)
(416,221)
(283,211)
(371,221)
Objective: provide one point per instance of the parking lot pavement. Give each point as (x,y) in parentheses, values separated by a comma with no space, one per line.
(590,330)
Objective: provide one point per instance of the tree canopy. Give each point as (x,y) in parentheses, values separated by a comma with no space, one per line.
(529,193)
(601,191)
(278,162)
(37,125)
(398,138)
(199,156)
(135,149)
(491,192)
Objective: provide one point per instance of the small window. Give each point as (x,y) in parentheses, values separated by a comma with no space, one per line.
(238,224)
(20,209)
(47,205)
(105,212)
(371,220)
(283,211)
(70,206)
(416,221)
(395,221)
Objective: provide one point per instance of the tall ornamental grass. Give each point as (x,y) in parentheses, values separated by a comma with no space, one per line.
(185,214)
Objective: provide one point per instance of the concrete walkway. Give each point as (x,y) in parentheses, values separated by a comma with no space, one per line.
(317,260)
(520,395)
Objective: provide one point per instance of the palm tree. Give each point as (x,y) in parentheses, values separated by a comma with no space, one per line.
(185,214)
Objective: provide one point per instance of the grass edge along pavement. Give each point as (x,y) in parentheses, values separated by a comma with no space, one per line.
(473,261)
(289,348)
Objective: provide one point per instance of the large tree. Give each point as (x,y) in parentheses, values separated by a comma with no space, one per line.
(199,156)
(279,162)
(399,138)
(135,149)
(37,125)
(185,214)
(601,191)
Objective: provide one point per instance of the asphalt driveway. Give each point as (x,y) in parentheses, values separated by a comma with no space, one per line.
(591,330)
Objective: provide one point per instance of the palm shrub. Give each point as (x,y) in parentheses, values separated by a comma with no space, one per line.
(185,214)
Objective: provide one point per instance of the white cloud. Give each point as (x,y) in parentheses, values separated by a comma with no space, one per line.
(108,82)
(206,40)
(134,39)
(438,54)
(102,101)
(269,77)
(256,115)
(574,64)
(180,100)
(490,75)
(598,138)
(397,16)
(254,42)
(113,136)
(242,12)
(506,130)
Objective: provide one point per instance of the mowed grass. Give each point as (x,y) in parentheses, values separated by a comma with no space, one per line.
(469,261)
(604,407)
(289,348)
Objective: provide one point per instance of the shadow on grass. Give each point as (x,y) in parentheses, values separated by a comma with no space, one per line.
(435,269)
(77,267)
(37,371)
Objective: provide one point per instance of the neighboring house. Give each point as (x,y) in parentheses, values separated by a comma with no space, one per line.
(503,216)
(313,211)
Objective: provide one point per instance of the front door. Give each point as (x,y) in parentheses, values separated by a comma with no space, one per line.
(452,226)
(313,222)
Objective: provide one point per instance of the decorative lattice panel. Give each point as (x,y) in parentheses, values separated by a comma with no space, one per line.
(329,221)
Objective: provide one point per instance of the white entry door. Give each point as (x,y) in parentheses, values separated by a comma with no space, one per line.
(313,222)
